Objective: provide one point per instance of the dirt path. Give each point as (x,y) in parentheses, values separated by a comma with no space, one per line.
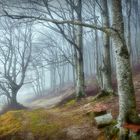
(48,102)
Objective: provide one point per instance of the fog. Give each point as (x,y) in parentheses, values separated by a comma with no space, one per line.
(51,64)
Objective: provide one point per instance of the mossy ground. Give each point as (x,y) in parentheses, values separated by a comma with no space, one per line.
(41,123)
(60,123)
(44,124)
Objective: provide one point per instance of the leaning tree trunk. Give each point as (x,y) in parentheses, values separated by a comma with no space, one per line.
(106,66)
(80,85)
(127,101)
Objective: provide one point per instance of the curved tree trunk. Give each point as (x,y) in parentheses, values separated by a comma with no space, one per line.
(127,101)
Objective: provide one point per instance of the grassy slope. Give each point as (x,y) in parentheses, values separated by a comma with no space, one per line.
(66,122)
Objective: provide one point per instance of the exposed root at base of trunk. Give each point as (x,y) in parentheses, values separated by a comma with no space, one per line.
(103,94)
(109,133)
(80,96)
(115,133)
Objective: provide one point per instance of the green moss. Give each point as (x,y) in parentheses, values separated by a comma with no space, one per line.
(40,123)
(71,103)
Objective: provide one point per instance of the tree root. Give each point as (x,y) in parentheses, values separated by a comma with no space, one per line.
(103,94)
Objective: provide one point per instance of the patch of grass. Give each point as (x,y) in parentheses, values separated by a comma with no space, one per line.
(41,123)
(48,124)
(10,123)
(71,103)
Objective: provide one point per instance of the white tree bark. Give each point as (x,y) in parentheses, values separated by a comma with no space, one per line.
(127,102)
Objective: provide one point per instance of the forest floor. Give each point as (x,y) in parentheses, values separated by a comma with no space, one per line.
(69,121)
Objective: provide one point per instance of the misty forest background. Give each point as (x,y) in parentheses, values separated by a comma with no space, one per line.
(41,56)
(81,56)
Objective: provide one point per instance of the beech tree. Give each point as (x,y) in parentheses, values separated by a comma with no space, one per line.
(127,101)
(76,42)
(51,56)
(15,53)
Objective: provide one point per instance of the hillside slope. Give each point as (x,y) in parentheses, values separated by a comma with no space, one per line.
(69,121)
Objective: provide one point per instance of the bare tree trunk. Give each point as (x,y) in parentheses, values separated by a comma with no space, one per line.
(80,86)
(128,19)
(127,101)
(96,52)
(97,65)
(52,76)
(106,66)
(13,99)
